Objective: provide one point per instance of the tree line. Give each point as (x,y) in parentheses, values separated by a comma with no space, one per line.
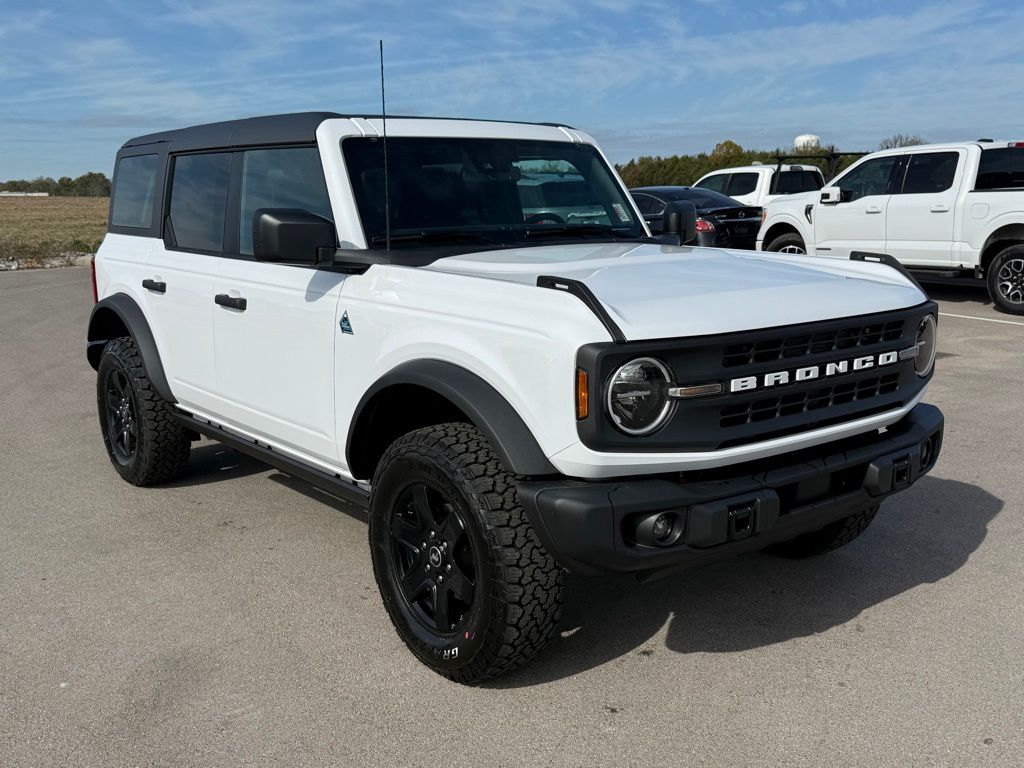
(91,184)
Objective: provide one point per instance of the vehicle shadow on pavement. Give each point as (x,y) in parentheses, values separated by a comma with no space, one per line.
(212,462)
(757,600)
(959,294)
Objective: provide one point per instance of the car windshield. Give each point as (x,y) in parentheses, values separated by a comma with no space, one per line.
(493,191)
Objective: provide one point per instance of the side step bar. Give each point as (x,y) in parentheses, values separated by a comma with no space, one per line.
(333,484)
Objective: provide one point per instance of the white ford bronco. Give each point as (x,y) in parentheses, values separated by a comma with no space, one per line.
(942,210)
(418,324)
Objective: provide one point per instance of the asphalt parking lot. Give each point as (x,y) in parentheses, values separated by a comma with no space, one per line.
(232,619)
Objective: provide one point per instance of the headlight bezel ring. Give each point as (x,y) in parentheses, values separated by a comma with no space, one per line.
(666,410)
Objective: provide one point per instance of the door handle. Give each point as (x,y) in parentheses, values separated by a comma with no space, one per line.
(940,208)
(231,302)
(156,286)
(872,209)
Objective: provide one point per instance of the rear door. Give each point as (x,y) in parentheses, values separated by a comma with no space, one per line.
(181,274)
(857,222)
(275,356)
(920,218)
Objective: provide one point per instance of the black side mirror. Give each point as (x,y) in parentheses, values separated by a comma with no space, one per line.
(679,223)
(293,236)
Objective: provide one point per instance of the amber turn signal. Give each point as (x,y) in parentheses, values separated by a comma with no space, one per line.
(582,398)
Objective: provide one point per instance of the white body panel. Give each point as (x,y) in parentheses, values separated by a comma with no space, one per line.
(761,194)
(283,372)
(947,229)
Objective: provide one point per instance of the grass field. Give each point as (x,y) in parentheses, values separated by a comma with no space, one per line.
(35,229)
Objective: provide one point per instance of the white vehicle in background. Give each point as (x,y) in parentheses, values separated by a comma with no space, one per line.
(760,184)
(942,210)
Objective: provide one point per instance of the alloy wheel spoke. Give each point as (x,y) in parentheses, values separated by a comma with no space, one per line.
(460,585)
(452,528)
(413,584)
(408,533)
(441,614)
(421,507)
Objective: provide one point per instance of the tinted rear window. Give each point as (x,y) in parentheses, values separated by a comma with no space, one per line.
(715,183)
(199,195)
(930,172)
(134,191)
(790,182)
(742,184)
(1001,169)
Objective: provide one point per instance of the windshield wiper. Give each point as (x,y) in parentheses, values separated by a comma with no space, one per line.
(582,230)
(436,236)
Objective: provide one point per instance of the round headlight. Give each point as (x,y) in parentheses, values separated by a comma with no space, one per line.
(927,345)
(638,400)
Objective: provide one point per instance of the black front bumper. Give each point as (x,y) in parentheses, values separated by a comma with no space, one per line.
(597,527)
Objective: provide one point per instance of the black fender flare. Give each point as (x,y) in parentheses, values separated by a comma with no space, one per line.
(132,318)
(485,407)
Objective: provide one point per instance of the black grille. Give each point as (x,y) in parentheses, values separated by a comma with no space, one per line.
(770,408)
(802,345)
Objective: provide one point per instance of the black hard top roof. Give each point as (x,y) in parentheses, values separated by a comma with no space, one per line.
(295,128)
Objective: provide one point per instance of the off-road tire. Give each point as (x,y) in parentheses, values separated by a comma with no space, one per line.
(517,592)
(1005,280)
(789,240)
(162,445)
(832,536)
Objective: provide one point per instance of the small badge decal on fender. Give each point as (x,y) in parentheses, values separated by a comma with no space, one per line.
(346,326)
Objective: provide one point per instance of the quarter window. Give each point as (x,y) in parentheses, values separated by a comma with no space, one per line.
(1001,169)
(134,192)
(742,184)
(280,178)
(930,172)
(715,183)
(869,178)
(791,182)
(199,194)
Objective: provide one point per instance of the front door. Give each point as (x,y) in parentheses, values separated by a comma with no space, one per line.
(857,222)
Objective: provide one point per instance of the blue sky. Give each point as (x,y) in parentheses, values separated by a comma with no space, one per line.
(643,76)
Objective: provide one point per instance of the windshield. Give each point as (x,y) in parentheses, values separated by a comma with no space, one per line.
(498,191)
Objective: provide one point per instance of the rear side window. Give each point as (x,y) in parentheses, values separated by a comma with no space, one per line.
(1001,169)
(199,193)
(930,172)
(715,183)
(791,182)
(134,192)
(741,184)
(280,178)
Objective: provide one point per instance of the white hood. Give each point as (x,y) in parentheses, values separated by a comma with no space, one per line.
(655,291)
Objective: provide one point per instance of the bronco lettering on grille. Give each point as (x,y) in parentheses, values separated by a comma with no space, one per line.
(812,372)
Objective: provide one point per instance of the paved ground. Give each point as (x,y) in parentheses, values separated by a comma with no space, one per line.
(232,619)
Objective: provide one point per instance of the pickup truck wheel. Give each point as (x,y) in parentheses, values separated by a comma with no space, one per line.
(1005,280)
(467,584)
(145,443)
(832,536)
(788,243)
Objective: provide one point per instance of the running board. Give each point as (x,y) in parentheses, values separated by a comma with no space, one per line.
(333,484)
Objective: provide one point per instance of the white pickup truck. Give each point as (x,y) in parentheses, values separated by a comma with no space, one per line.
(760,184)
(943,210)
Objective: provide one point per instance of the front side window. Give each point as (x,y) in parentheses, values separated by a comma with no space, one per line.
(930,172)
(715,183)
(501,190)
(742,184)
(1001,169)
(134,192)
(869,178)
(199,192)
(280,178)
(649,206)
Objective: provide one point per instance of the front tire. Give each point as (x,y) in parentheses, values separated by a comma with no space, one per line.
(1005,280)
(832,536)
(788,243)
(469,587)
(145,443)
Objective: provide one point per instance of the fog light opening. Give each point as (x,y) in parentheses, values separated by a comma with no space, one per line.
(659,529)
(662,527)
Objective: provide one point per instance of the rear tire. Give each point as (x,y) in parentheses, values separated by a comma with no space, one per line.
(467,584)
(1005,280)
(144,441)
(791,242)
(832,536)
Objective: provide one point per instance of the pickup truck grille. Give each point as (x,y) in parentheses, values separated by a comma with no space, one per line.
(763,397)
(791,348)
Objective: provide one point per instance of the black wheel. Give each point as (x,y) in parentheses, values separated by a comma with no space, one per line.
(832,536)
(145,443)
(1005,278)
(788,243)
(465,580)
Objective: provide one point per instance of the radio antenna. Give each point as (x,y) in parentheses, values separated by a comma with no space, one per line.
(384,125)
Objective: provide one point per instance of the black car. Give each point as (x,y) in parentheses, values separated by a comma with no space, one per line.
(721,221)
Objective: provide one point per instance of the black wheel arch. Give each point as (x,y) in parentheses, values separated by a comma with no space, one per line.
(778,230)
(421,393)
(1006,236)
(119,315)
